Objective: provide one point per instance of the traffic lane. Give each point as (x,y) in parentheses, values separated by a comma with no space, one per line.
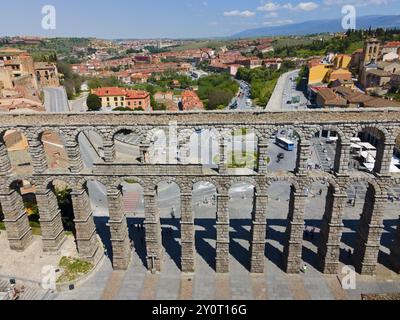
(56,100)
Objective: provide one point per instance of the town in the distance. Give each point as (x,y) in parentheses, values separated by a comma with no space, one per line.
(261,168)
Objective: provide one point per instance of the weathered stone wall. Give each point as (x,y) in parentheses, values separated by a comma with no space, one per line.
(347,123)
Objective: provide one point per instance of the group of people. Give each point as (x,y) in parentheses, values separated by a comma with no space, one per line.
(309,233)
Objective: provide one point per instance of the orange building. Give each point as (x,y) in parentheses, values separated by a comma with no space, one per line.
(115,97)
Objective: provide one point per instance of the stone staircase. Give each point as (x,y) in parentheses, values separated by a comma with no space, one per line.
(3,289)
(32,291)
(131,200)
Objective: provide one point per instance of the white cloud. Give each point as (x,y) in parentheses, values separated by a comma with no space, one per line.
(213,23)
(269,6)
(357,3)
(307,6)
(303,6)
(237,13)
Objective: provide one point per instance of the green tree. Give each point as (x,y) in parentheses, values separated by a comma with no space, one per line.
(93,102)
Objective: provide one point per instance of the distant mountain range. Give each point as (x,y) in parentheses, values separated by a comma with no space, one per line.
(321,26)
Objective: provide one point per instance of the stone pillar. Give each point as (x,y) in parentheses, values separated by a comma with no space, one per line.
(187,233)
(53,235)
(222,248)
(16,220)
(37,154)
(74,155)
(382,165)
(303,154)
(86,237)
(395,250)
(144,151)
(119,230)
(5,164)
(262,157)
(369,234)
(294,232)
(258,233)
(223,163)
(153,232)
(331,232)
(184,150)
(342,158)
(109,151)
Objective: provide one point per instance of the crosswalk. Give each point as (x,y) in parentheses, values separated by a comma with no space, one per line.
(131,200)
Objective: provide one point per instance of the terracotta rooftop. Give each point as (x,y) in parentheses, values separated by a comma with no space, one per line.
(331,98)
(191,101)
(392,44)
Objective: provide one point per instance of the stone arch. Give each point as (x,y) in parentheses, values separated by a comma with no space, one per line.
(210,180)
(289,179)
(176,180)
(80,183)
(57,130)
(328,179)
(248,180)
(150,134)
(118,182)
(368,180)
(80,130)
(132,129)
(342,136)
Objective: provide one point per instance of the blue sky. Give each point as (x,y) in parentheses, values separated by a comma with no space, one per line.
(172,18)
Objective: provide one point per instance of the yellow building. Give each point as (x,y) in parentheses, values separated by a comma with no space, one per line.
(342,61)
(318,74)
(336,68)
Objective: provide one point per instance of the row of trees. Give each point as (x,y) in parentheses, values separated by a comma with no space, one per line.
(354,40)
(263,81)
(217,90)
(72,81)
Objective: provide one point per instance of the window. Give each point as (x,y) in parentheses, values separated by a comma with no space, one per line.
(115,98)
(140,103)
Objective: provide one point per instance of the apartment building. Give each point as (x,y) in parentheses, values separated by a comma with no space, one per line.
(114,97)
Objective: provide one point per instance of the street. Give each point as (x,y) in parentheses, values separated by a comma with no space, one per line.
(55,100)
(242,101)
(284,91)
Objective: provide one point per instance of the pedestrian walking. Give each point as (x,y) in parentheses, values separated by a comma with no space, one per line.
(105,250)
(304,268)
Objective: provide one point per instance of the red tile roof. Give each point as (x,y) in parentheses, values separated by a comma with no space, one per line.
(109,91)
(137,94)
(191,101)
(115,91)
(392,44)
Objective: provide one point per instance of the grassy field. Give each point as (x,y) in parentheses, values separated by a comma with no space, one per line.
(294,41)
(214,44)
